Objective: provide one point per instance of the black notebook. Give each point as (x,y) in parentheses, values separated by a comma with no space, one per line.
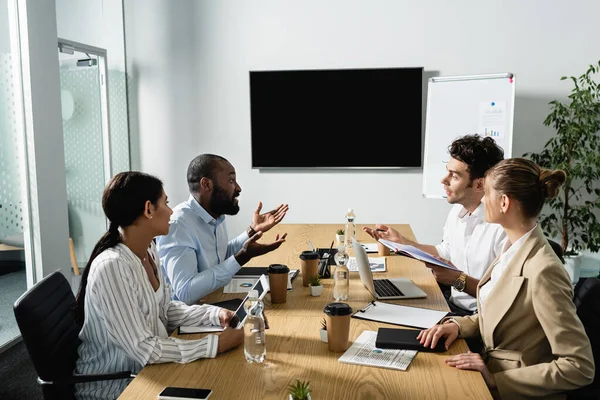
(404,339)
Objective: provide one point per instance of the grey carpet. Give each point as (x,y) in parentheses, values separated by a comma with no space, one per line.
(12,286)
(17,375)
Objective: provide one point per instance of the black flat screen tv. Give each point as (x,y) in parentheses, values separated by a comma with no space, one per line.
(337,118)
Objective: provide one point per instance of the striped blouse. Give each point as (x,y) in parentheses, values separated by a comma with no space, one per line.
(126,323)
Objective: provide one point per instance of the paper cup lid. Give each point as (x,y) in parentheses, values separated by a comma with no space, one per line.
(278,269)
(309,255)
(337,309)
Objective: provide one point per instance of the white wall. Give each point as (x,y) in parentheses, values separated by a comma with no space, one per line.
(189,61)
(97,23)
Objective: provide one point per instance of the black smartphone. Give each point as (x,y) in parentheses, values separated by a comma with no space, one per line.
(181,393)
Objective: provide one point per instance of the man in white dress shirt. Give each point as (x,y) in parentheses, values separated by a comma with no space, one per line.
(470,243)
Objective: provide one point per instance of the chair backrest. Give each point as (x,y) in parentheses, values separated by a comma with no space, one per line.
(49,331)
(557,249)
(587,301)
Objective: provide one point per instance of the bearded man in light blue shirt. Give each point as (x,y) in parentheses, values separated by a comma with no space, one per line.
(197,255)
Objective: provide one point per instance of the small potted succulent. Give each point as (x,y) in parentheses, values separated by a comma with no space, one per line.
(323,330)
(315,286)
(300,390)
(339,236)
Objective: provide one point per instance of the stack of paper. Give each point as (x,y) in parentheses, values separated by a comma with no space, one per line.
(377,264)
(364,352)
(244,284)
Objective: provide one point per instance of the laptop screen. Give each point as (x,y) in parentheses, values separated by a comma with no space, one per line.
(364,269)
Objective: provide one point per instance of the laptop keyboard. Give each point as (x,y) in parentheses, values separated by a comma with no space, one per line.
(385,288)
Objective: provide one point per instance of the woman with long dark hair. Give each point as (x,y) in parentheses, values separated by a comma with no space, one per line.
(124,303)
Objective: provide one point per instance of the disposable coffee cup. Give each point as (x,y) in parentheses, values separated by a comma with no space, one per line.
(278,281)
(309,265)
(382,249)
(337,316)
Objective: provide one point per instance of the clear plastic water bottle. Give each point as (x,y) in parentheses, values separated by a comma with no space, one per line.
(350,230)
(341,275)
(254,329)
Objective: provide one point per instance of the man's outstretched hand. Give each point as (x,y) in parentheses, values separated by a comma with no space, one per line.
(264,222)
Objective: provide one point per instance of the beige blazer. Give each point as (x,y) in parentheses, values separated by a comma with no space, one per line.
(534,343)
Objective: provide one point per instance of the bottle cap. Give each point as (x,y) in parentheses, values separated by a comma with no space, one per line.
(337,309)
(253,293)
(278,269)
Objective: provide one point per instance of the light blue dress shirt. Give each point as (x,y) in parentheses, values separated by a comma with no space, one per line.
(196,255)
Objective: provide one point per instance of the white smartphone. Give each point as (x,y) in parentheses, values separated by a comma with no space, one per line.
(181,393)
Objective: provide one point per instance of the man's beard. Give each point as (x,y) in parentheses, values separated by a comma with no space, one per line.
(222,204)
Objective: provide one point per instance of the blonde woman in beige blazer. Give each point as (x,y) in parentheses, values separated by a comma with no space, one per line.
(534,343)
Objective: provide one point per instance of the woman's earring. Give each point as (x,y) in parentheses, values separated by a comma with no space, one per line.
(151,217)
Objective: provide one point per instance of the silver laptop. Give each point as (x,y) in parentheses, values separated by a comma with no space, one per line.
(384,288)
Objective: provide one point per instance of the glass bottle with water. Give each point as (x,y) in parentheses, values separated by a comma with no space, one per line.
(350,230)
(254,329)
(341,275)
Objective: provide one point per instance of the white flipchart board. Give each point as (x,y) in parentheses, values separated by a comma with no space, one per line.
(460,105)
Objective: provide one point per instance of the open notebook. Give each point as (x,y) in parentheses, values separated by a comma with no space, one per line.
(413,252)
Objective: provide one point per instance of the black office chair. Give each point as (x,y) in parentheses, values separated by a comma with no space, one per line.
(557,249)
(50,333)
(587,301)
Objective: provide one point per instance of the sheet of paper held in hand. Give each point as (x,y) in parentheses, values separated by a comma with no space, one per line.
(377,264)
(364,352)
(243,285)
(413,252)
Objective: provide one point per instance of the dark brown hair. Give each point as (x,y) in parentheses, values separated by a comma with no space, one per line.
(524,181)
(479,153)
(123,201)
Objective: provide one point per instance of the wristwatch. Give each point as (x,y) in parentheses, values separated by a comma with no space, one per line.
(461,282)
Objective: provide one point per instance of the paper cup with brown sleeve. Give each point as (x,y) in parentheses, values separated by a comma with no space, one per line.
(382,249)
(337,317)
(278,282)
(309,265)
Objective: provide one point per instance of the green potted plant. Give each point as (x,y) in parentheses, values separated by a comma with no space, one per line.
(339,236)
(315,285)
(575,149)
(300,390)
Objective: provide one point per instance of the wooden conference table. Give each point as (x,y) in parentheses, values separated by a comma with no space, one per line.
(295,351)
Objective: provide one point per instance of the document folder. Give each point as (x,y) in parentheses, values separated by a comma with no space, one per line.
(395,314)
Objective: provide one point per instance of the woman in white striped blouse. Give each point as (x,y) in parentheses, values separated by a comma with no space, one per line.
(124,302)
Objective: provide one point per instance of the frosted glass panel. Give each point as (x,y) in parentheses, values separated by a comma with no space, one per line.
(84,158)
(13,179)
(11,211)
